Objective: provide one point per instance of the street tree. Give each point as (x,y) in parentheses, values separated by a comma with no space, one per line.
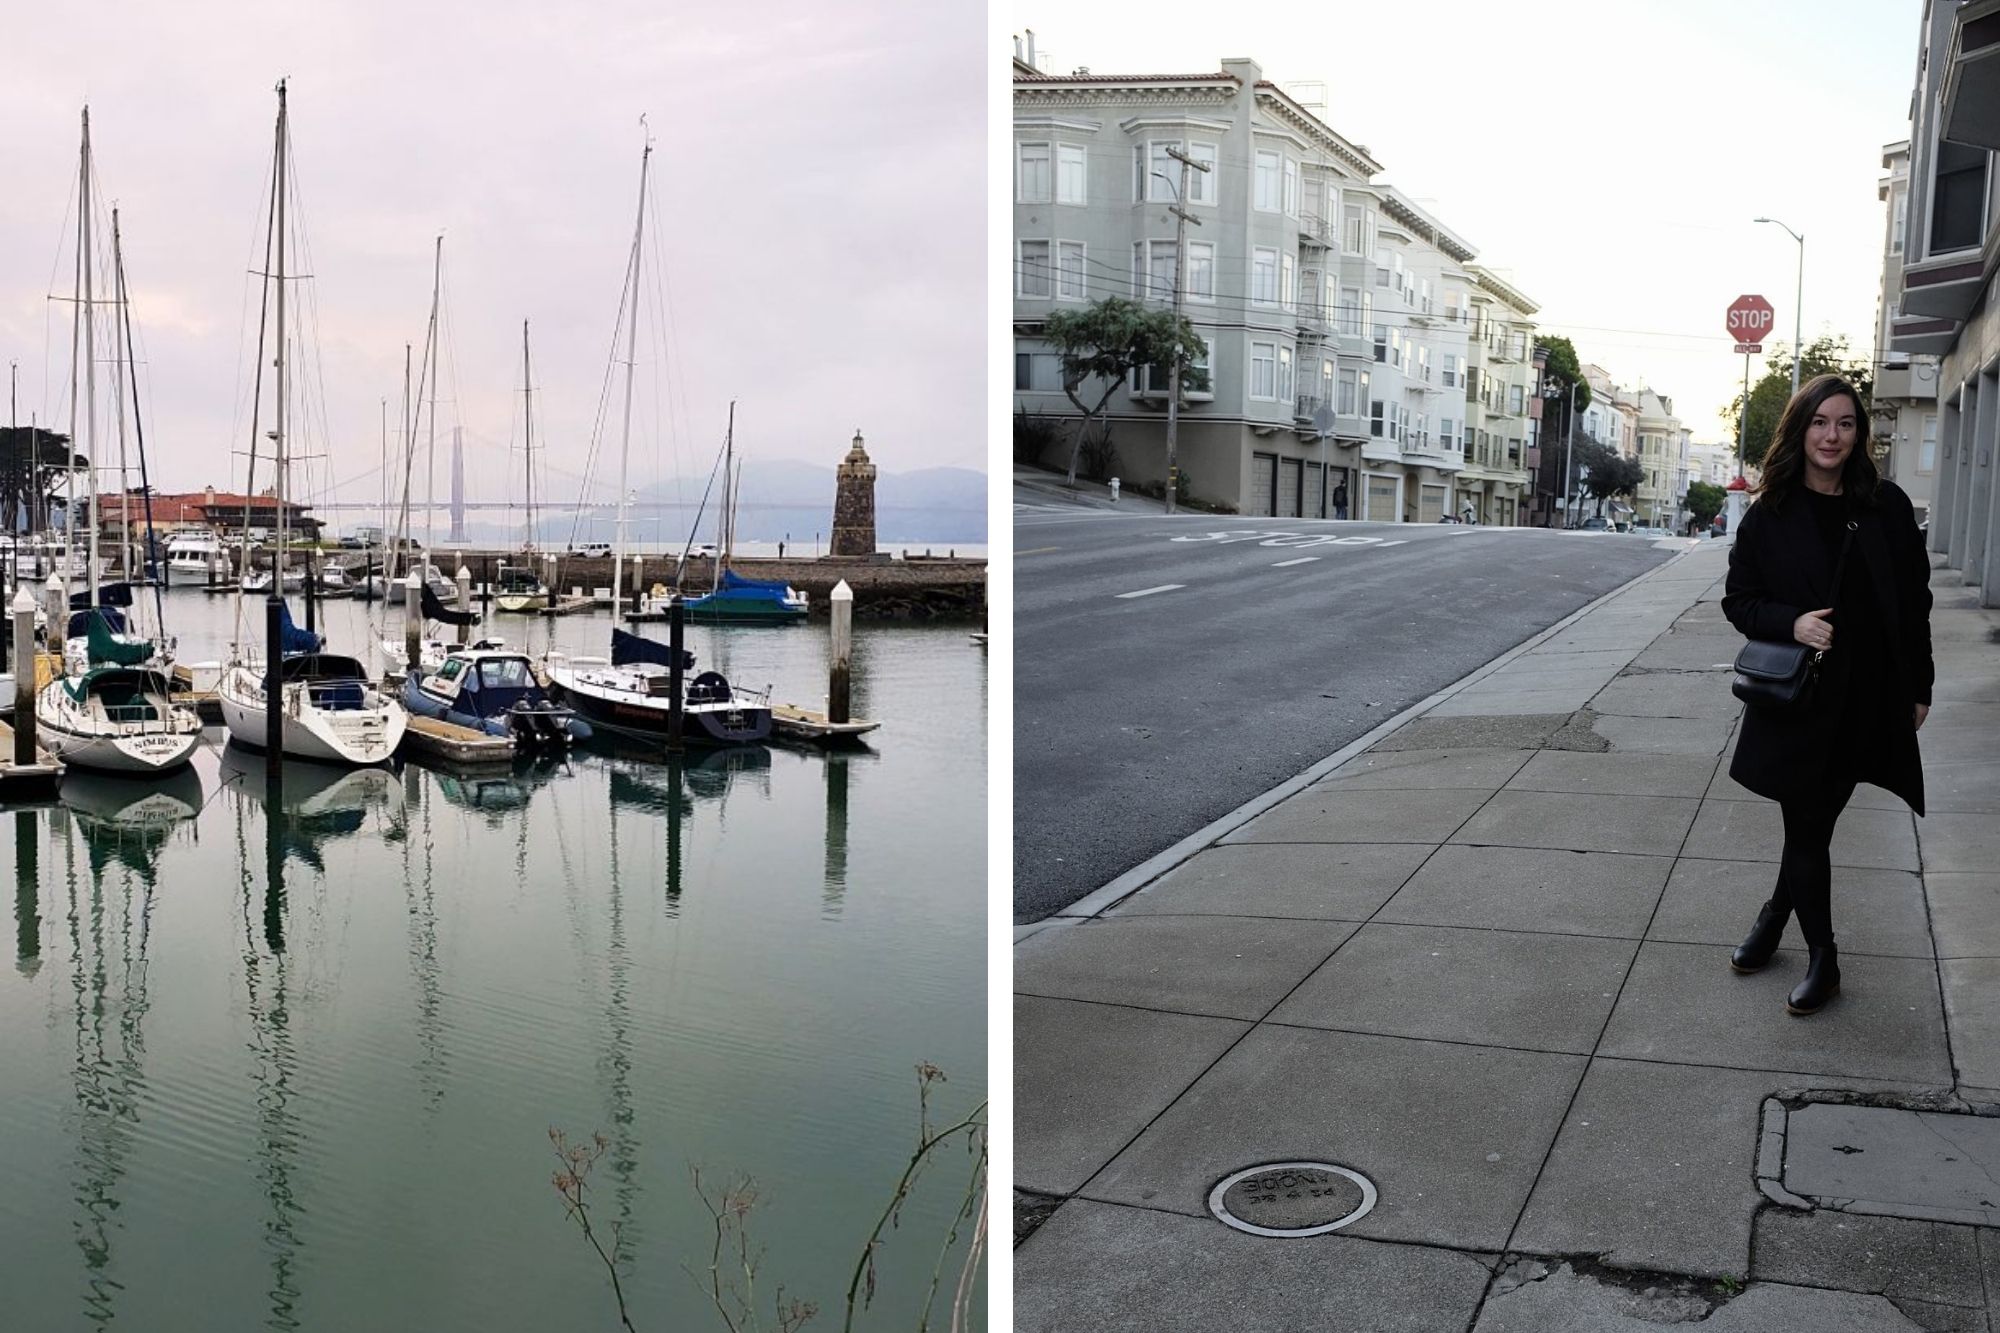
(1704,501)
(1562,373)
(1107,341)
(1827,354)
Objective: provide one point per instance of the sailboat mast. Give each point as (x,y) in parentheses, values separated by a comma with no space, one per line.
(75,365)
(138,430)
(89,362)
(118,366)
(278,431)
(631,356)
(528,431)
(409,456)
(725,520)
(430,372)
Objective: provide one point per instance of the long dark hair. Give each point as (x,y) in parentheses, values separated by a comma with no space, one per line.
(1785,462)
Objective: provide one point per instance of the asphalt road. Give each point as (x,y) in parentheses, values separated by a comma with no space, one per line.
(1166,670)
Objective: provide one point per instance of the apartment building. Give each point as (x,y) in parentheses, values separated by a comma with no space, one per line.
(1662,451)
(1503,401)
(1339,318)
(1903,411)
(1712,463)
(1951,250)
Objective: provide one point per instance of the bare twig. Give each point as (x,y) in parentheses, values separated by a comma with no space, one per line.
(577,1159)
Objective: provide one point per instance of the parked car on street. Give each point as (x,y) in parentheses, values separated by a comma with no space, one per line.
(1594,523)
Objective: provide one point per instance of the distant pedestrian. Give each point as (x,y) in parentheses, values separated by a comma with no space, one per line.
(781,550)
(1823,513)
(1340,500)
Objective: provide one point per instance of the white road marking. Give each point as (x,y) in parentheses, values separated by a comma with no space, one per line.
(1302,560)
(1148,592)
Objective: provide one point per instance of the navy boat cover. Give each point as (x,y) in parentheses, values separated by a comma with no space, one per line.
(627,649)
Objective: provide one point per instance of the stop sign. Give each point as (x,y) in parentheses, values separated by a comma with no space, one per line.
(1750,318)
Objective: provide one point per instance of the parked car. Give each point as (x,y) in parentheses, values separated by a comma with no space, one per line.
(1595,523)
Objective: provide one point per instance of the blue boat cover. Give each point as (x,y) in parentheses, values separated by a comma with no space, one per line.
(734,582)
(627,649)
(79,621)
(291,639)
(108,594)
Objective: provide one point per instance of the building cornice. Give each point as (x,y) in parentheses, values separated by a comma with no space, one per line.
(1277,103)
(1506,291)
(1170,121)
(1058,122)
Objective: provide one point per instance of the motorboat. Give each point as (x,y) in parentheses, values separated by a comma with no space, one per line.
(259,580)
(631,693)
(493,690)
(193,551)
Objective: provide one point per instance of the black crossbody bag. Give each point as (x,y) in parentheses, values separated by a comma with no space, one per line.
(1781,676)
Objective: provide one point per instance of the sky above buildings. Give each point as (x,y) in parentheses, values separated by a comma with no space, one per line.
(817,173)
(1608,159)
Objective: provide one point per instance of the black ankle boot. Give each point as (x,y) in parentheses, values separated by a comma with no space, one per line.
(1762,941)
(1822,981)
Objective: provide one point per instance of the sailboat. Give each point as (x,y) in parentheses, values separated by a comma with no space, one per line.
(632,691)
(519,588)
(326,706)
(114,713)
(735,600)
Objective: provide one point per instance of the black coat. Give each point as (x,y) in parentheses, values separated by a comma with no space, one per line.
(1780,569)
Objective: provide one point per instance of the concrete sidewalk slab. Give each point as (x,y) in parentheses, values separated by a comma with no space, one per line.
(1224,966)
(1362,816)
(1653,1169)
(1421,1119)
(1612,774)
(1346,881)
(1926,1263)
(1656,735)
(1691,651)
(1566,1302)
(1961,786)
(1965,913)
(1972,999)
(1956,842)
(1755,831)
(1683,1004)
(1647,825)
(1897,1163)
(1109,1269)
(1866,796)
(1715,903)
(1425,770)
(1490,987)
(1490,699)
(1087,1077)
(1666,694)
(1572,893)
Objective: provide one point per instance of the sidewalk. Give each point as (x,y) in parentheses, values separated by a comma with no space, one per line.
(1033,483)
(1484,966)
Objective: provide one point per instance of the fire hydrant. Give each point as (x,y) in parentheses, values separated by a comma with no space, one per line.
(1114,490)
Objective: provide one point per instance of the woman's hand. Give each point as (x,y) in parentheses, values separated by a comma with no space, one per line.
(1813,629)
(1922,711)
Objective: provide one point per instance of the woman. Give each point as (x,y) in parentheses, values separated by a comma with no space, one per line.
(1821,491)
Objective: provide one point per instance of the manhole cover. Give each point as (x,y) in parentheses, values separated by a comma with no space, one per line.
(1291,1198)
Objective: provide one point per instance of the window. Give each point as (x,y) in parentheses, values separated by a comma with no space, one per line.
(1377,425)
(1268,185)
(1367,313)
(1381,277)
(1284,374)
(1263,276)
(1445,436)
(1423,363)
(1154,261)
(1037,372)
(1034,269)
(1165,180)
(1263,370)
(1350,313)
(1347,404)
(1287,282)
(1069,270)
(1201,271)
(1159,379)
(1071,187)
(1035,184)
(1364,400)
(1382,344)
(1927,451)
(1357,230)
(1514,403)
(1398,279)
(1899,208)
(1451,310)
(1958,200)
(1399,351)
(1425,298)
(1201,184)
(1291,188)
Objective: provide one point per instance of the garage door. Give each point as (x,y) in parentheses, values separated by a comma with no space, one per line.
(1288,488)
(1315,493)
(1382,500)
(1430,504)
(1263,473)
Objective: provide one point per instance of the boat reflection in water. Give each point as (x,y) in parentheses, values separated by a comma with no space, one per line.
(317,802)
(127,822)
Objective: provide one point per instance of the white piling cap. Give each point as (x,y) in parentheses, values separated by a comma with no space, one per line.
(842,593)
(463,574)
(412,580)
(55,583)
(24,603)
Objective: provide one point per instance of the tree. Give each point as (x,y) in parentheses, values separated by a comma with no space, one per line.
(1827,354)
(1110,339)
(34,463)
(1604,472)
(1562,372)
(1704,501)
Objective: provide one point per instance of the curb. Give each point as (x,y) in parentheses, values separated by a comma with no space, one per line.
(1110,894)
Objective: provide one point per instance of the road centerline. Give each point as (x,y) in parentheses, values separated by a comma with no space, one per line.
(1302,560)
(1148,592)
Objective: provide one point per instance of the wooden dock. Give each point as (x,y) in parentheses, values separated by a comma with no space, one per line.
(792,723)
(36,782)
(455,744)
(568,606)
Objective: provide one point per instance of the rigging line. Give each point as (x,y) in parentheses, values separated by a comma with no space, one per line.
(603,405)
(257,394)
(674,377)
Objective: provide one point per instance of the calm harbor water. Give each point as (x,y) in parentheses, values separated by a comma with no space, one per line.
(293,1064)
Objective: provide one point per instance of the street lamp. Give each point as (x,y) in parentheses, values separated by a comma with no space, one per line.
(1552,390)
(1797,299)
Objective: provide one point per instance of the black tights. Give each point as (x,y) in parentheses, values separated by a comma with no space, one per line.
(1805,875)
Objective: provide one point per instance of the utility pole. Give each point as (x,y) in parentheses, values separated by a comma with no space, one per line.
(1569,451)
(1180,290)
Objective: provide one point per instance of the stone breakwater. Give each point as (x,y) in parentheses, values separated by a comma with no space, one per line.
(920,589)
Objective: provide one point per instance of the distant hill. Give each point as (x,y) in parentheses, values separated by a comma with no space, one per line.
(782,496)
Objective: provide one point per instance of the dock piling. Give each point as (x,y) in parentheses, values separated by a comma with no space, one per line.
(24,679)
(413,622)
(464,579)
(676,707)
(843,652)
(274,677)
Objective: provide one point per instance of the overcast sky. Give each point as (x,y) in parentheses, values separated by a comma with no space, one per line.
(1608,158)
(818,172)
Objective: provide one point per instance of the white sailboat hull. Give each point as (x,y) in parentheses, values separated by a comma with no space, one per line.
(365,735)
(87,739)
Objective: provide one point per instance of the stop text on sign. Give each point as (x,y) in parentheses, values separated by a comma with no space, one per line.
(1750,318)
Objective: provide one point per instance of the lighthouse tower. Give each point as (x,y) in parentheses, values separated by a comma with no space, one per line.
(854,506)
